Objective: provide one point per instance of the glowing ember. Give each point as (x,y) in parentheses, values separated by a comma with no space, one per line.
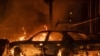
(60,52)
(24,30)
(22,38)
(41,44)
(45,26)
(12,51)
(24,34)
(21,54)
(42,37)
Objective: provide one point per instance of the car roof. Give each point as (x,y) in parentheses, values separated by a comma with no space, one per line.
(74,34)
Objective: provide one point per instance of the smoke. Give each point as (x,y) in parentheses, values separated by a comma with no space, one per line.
(30,14)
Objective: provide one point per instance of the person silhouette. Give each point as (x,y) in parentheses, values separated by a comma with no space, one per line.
(3,43)
(17,51)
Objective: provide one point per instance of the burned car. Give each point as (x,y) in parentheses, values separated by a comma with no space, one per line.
(47,43)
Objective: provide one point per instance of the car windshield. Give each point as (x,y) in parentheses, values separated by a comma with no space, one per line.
(53,36)
(40,37)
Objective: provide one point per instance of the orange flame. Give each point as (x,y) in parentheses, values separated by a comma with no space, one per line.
(40,38)
(24,30)
(11,52)
(60,52)
(45,26)
(22,38)
(24,34)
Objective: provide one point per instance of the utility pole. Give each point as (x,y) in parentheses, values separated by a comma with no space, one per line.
(49,3)
(90,15)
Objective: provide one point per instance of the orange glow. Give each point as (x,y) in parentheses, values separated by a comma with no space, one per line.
(24,30)
(41,44)
(60,52)
(11,51)
(54,36)
(45,26)
(21,54)
(22,38)
(40,37)
(24,34)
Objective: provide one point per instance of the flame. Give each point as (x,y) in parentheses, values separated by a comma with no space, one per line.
(40,37)
(24,30)
(60,52)
(22,38)
(11,52)
(21,54)
(24,34)
(45,26)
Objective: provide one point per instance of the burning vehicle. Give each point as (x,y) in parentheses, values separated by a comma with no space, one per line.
(47,43)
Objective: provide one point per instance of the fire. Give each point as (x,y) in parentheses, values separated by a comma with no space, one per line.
(24,34)
(60,52)
(40,37)
(45,26)
(24,30)
(22,38)
(11,52)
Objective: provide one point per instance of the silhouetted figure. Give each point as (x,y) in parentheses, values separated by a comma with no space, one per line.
(17,51)
(67,44)
(3,43)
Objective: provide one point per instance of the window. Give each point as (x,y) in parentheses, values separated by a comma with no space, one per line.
(40,37)
(55,36)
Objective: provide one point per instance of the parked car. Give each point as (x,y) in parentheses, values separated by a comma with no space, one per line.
(47,43)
